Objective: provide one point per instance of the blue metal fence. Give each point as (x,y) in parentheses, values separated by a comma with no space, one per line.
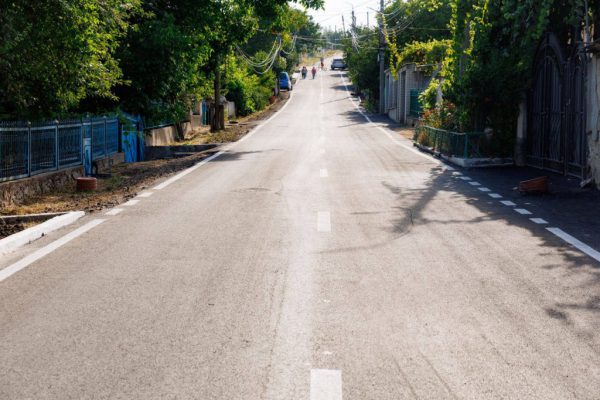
(29,149)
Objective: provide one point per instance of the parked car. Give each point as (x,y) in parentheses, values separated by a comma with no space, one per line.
(338,63)
(284,81)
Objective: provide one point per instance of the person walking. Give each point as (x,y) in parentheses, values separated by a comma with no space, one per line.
(314,71)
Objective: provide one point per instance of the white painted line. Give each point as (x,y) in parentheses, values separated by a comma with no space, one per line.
(484,189)
(465,178)
(323,221)
(576,243)
(13,242)
(36,255)
(474,183)
(508,203)
(495,195)
(457,173)
(523,211)
(395,140)
(539,221)
(145,194)
(114,211)
(228,147)
(131,203)
(325,384)
(323,173)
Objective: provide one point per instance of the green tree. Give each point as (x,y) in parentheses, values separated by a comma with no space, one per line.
(54,53)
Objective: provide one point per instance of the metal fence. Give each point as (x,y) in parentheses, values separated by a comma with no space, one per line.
(28,149)
(450,143)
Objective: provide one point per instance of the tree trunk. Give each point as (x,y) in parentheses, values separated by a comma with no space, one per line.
(216,124)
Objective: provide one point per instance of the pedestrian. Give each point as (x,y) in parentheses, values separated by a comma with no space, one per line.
(314,71)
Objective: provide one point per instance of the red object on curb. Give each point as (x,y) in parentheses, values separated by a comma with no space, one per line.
(86,184)
(535,185)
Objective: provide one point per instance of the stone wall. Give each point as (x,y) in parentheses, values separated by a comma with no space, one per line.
(13,192)
(593,117)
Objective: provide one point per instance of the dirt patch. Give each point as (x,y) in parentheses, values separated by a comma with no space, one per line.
(407,132)
(124,181)
(234,129)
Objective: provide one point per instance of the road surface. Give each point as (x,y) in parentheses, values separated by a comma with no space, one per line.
(320,258)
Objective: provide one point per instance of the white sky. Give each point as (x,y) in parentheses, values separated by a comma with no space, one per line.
(331,16)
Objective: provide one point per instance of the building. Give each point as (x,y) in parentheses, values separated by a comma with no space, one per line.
(401,93)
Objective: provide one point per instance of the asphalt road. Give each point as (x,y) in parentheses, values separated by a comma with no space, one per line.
(321,257)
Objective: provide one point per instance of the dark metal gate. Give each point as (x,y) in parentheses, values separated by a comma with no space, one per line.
(556,134)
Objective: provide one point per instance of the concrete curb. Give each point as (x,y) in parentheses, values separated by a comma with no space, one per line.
(468,162)
(13,242)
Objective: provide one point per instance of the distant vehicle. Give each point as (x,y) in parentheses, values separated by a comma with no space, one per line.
(284,81)
(338,63)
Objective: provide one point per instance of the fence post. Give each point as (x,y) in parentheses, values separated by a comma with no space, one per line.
(28,148)
(82,136)
(56,147)
(105,145)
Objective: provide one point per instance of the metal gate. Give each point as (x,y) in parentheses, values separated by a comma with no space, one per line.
(556,135)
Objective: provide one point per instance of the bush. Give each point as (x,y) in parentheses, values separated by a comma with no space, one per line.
(248,91)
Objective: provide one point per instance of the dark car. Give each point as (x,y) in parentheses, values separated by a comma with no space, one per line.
(338,63)
(284,81)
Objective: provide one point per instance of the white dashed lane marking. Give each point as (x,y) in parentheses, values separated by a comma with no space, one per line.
(475,183)
(465,178)
(323,221)
(325,384)
(508,203)
(539,221)
(484,189)
(523,211)
(495,195)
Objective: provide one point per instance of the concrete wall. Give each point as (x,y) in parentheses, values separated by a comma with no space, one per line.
(593,117)
(164,135)
(398,92)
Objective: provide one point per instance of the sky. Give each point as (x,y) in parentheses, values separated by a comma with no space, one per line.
(331,16)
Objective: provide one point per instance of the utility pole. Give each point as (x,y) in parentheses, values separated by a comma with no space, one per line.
(381,60)
(367,20)
(343,25)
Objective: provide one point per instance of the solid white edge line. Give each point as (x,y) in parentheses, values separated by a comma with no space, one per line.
(576,243)
(393,139)
(114,211)
(145,194)
(131,203)
(13,242)
(36,255)
(325,384)
(220,153)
